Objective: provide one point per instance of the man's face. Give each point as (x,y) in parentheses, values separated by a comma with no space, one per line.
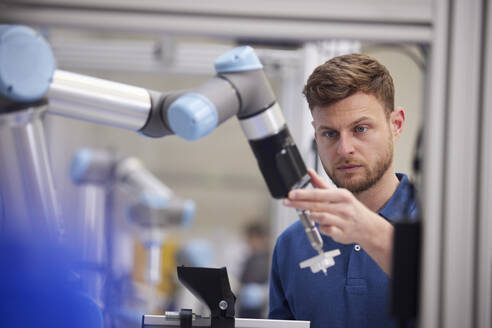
(355,141)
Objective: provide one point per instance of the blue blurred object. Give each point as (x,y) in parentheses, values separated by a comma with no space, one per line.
(39,289)
(253,296)
(196,253)
(188,213)
(80,164)
(1,212)
(151,199)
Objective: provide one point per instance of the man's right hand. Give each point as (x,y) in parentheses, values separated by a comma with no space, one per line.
(345,219)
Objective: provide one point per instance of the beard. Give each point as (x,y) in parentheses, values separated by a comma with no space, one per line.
(361,181)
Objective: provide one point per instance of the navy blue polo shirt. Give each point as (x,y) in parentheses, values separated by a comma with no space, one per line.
(354,293)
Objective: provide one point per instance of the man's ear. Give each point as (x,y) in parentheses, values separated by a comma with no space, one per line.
(397,120)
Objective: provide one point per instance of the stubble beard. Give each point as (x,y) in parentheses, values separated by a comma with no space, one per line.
(357,182)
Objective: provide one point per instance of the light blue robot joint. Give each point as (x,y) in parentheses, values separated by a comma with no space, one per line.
(238,60)
(192,116)
(27,64)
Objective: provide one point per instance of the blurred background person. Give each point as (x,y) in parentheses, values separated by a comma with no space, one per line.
(253,294)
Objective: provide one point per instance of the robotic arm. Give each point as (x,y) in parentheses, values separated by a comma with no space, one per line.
(240,88)
(197,112)
(153,208)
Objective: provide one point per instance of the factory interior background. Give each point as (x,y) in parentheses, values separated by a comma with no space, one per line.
(219,172)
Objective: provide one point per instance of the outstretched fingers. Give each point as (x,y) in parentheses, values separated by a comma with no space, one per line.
(305,205)
(318,195)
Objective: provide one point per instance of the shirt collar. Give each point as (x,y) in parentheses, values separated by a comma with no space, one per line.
(402,203)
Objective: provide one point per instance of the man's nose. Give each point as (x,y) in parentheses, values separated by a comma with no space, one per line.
(345,145)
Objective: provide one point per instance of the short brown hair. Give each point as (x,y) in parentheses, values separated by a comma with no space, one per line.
(343,76)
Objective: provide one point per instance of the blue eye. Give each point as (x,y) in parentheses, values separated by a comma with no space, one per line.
(361,129)
(330,134)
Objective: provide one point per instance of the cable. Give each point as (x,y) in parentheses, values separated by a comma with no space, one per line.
(314,148)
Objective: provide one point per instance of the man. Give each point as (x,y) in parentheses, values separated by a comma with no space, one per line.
(355,125)
(252,301)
